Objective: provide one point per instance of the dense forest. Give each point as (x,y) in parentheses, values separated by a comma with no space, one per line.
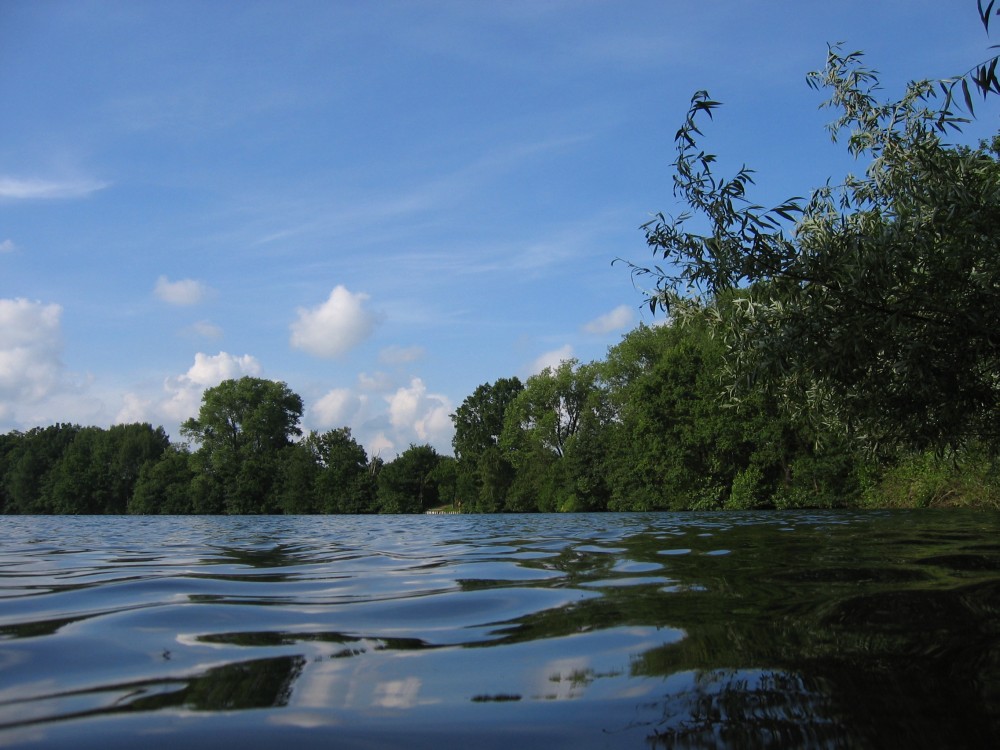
(838,350)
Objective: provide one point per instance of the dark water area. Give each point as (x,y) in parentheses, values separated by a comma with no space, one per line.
(753,630)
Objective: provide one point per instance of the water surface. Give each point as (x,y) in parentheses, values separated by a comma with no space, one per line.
(635,630)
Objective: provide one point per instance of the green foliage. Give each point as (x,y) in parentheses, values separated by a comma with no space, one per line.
(676,442)
(295,492)
(746,491)
(408,484)
(242,427)
(346,482)
(164,487)
(245,417)
(445,476)
(69,469)
(983,76)
(929,479)
(29,459)
(483,472)
(554,432)
(870,307)
(98,471)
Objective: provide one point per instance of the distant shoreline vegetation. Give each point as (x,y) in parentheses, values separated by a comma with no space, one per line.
(642,430)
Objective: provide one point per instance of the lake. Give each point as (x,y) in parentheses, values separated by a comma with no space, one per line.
(793,629)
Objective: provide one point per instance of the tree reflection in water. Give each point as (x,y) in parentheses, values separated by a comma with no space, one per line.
(782,630)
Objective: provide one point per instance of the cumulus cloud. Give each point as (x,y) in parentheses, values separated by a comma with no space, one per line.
(619,318)
(335,327)
(7,246)
(181,292)
(336,408)
(211,370)
(185,391)
(551,359)
(412,410)
(380,445)
(377,382)
(30,346)
(387,420)
(15,188)
(134,409)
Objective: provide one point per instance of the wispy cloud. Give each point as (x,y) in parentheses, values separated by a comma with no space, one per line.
(359,215)
(398,355)
(16,188)
(182,292)
(7,246)
(206,329)
(619,318)
(551,359)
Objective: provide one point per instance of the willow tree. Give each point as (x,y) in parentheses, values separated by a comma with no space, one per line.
(873,305)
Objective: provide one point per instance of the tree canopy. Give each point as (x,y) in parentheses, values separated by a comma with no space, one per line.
(873,304)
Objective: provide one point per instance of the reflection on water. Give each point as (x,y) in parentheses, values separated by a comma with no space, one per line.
(655,631)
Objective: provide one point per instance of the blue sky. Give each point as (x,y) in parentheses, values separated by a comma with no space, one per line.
(383,204)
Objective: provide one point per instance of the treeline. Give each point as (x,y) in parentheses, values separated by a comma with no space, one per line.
(652,428)
(134,468)
(647,428)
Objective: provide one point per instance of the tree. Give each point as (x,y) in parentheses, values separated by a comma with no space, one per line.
(242,427)
(98,471)
(552,432)
(674,443)
(295,492)
(345,482)
(483,472)
(872,306)
(164,486)
(28,465)
(407,483)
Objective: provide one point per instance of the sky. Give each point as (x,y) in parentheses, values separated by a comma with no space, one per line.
(382,204)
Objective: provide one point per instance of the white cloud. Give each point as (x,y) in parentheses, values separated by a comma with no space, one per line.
(182,292)
(7,246)
(379,445)
(415,412)
(397,355)
(619,318)
(336,408)
(30,345)
(212,370)
(334,327)
(185,391)
(134,409)
(15,188)
(387,424)
(379,382)
(551,359)
(35,387)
